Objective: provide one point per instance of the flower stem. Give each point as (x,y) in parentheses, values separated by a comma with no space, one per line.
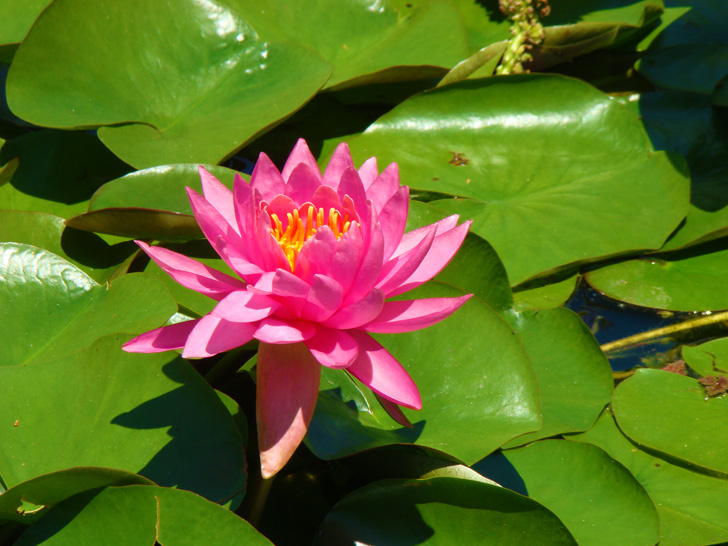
(260,496)
(692,324)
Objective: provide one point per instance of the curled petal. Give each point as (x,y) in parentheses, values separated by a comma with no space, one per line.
(192,274)
(245,306)
(287,379)
(333,348)
(300,154)
(394,411)
(162,339)
(212,335)
(407,316)
(381,372)
(219,196)
(281,332)
(266,179)
(340,161)
(441,252)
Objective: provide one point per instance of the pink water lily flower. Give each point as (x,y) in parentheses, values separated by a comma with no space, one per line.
(317,259)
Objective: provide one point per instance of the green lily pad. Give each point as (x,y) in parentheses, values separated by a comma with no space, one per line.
(17,19)
(556,181)
(687,123)
(140,514)
(149,204)
(173,82)
(600,492)
(57,171)
(672,414)
(367,42)
(162,419)
(574,376)
(709,358)
(691,506)
(544,296)
(684,281)
(50,489)
(691,54)
(478,391)
(440,511)
(51,308)
(84,250)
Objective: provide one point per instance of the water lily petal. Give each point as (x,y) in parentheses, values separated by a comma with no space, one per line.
(359,313)
(280,332)
(217,194)
(407,316)
(302,183)
(326,198)
(245,306)
(340,161)
(368,172)
(162,339)
(323,299)
(212,335)
(333,348)
(287,386)
(381,372)
(393,218)
(394,411)
(369,269)
(191,273)
(352,187)
(300,154)
(441,252)
(266,179)
(413,238)
(384,186)
(316,255)
(400,268)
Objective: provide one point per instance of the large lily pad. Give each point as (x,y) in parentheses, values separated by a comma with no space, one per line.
(672,414)
(683,281)
(691,506)
(367,42)
(600,492)
(173,82)
(548,182)
(440,511)
(478,391)
(687,123)
(17,19)
(148,414)
(709,358)
(57,171)
(51,308)
(573,374)
(28,501)
(140,514)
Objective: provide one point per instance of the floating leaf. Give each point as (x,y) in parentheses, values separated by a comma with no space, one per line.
(17,19)
(51,308)
(478,392)
(558,180)
(709,358)
(440,511)
(148,414)
(173,82)
(691,506)
(600,492)
(671,413)
(140,514)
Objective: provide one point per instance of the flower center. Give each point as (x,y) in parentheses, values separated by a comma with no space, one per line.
(300,229)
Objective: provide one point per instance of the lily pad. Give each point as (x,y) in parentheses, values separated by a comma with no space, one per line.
(161,418)
(51,308)
(440,511)
(683,281)
(552,182)
(687,123)
(140,514)
(573,374)
(691,506)
(17,19)
(478,392)
(367,42)
(57,171)
(173,82)
(544,296)
(47,490)
(600,492)
(86,251)
(672,414)
(709,358)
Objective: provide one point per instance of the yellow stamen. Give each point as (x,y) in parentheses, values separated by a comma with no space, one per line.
(291,239)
